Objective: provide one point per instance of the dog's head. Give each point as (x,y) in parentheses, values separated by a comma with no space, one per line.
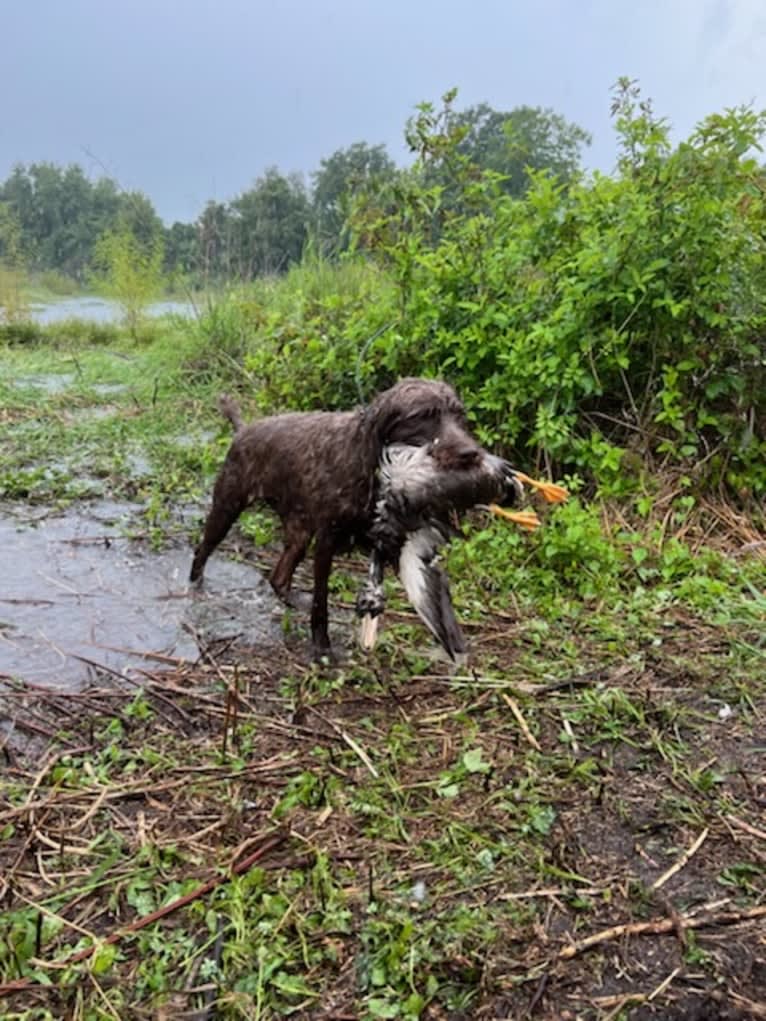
(415,412)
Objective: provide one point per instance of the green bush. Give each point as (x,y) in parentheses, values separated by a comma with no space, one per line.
(57,283)
(611,327)
(612,323)
(299,341)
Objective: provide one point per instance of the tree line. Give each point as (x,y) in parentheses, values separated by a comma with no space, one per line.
(55,218)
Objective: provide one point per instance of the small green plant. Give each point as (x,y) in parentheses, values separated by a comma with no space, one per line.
(130,272)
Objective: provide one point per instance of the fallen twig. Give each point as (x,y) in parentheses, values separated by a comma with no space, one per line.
(746,827)
(353,745)
(682,861)
(656,927)
(754,1009)
(513,705)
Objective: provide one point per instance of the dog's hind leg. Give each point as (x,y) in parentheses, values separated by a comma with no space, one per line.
(226,508)
(324,551)
(297,538)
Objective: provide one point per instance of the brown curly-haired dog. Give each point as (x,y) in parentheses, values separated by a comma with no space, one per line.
(319,472)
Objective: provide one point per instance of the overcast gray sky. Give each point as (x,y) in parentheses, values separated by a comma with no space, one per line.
(189,100)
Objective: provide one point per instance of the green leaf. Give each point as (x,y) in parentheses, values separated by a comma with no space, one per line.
(382,1008)
(103,958)
(474,763)
(450,790)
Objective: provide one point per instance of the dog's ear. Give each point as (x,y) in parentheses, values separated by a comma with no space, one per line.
(383,416)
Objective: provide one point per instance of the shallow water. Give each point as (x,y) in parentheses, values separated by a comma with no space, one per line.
(78,596)
(99,310)
(48,382)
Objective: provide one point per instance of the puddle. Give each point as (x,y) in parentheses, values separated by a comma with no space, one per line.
(77,596)
(93,413)
(109,388)
(58,382)
(50,382)
(137,464)
(192,440)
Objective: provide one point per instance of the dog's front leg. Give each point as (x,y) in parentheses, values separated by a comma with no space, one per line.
(324,551)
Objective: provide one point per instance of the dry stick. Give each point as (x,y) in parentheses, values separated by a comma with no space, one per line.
(160,657)
(51,694)
(513,705)
(109,1008)
(570,734)
(34,728)
(755,1009)
(235,697)
(56,917)
(663,985)
(226,721)
(618,1000)
(656,927)
(353,745)
(682,861)
(552,891)
(141,923)
(127,680)
(742,825)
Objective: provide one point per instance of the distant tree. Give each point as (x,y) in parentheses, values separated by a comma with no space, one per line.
(508,144)
(525,137)
(17,195)
(138,215)
(62,214)
(214,241)
(129,272)
(182,250)
(10,236)
(347,171)
(13,305)
(270,223)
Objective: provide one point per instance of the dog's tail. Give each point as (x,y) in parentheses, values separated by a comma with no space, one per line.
(229,407)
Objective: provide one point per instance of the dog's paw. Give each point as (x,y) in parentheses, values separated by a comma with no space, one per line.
(324,655)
